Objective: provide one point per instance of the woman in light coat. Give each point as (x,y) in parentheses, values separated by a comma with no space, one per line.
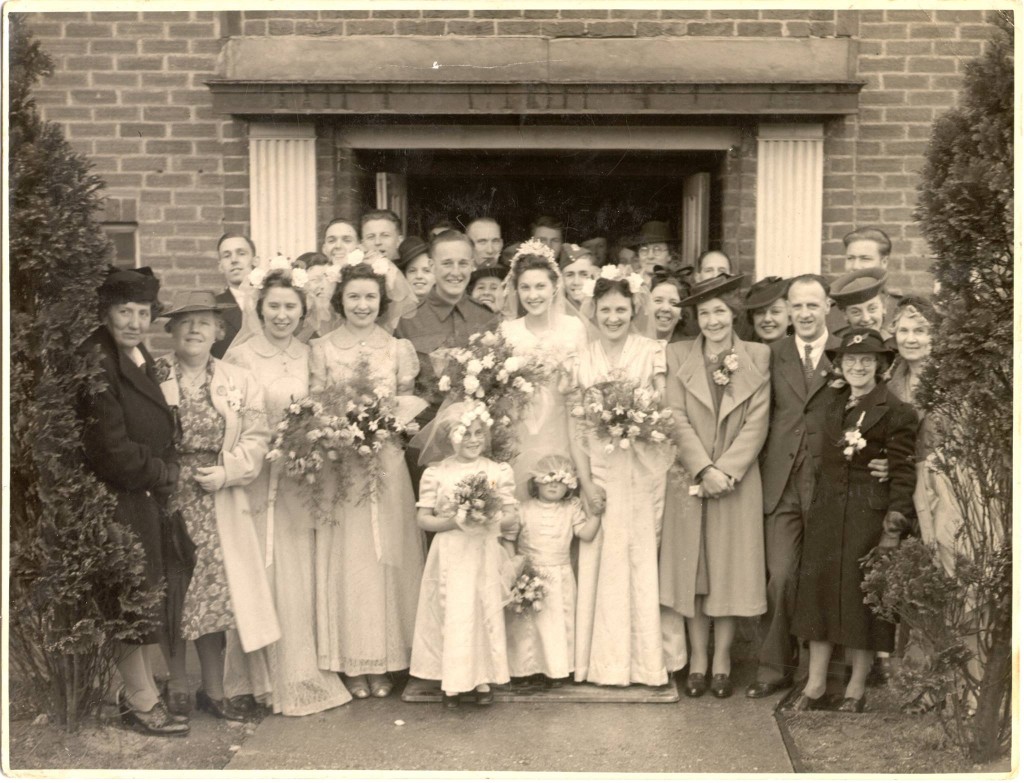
(712,552)
(224,439)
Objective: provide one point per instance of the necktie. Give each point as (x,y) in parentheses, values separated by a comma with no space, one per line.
(808,365)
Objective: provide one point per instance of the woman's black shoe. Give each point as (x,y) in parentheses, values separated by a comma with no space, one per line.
(485,698)
(696,685)
(218,708)
(721,686)
(450,702)
(851,704)
(157,721)
(805,703)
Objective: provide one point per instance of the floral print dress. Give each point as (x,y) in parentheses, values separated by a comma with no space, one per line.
(207,607)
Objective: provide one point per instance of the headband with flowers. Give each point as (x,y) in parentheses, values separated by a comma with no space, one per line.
(297,277)
(564,476)
(478,412)
(379,264)
(615,272)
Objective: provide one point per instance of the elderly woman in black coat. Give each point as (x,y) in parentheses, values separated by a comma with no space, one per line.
(851,514)
(128,442)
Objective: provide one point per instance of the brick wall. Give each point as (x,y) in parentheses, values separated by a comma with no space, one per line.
(129,88)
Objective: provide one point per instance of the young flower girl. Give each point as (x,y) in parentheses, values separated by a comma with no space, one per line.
(466,500)
(543,642)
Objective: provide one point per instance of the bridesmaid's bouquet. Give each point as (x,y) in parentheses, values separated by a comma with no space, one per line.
(477,504)
(623,414)
(337,430)
(488,370)
(528,591)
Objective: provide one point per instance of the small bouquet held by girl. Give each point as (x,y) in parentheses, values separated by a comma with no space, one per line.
(623,414)
(489,371)
(466,500)
(542,624)
(477,502)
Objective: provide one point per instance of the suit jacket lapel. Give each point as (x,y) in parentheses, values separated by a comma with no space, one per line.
(824,368)
(875,405)
(792,368)
(139,378)
(744,382)
(691,374)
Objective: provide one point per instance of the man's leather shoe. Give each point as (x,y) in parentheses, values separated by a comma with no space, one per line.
(157,721)
(851,704)
(805,703)
(696,685)
(759,689)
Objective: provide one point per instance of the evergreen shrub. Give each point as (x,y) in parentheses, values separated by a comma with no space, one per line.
(76,576)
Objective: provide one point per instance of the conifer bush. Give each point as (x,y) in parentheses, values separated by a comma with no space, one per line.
(965,209)
(76,576)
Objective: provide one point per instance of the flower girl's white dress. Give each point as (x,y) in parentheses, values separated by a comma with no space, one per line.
(460,622)
(543,642)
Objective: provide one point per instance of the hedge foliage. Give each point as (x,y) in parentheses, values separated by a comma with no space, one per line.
(76,576)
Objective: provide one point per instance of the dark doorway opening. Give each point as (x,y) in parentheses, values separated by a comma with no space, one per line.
(605,193)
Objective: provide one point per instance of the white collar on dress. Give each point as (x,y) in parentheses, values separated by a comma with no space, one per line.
(343,338)
(261,346)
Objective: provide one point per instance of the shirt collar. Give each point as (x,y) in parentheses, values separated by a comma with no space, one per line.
(816,345)
(443,308)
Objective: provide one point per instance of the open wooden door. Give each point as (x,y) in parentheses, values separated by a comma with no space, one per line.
(393,194)
(696,216)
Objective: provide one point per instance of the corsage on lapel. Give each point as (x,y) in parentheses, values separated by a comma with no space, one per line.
(168,380)
(853,441)
(730,363)
(232,395)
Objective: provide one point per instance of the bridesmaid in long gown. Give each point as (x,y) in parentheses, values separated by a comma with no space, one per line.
(369,563)
(618,629)
(542,330)
(280,363)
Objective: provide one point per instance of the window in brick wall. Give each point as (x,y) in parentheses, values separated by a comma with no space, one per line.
(125,237)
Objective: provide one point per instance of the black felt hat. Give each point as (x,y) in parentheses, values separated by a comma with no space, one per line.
(862,340)
(130,285)
(713,287)
(764,292)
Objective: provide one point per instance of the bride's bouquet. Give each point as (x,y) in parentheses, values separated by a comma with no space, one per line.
(488,370)
(528,591)
(477,503)
(624,415)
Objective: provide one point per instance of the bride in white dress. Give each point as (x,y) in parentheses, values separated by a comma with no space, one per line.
(618,620)
(538,326)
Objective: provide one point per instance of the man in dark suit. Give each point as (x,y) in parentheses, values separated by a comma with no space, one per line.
(799,374)
(236,255)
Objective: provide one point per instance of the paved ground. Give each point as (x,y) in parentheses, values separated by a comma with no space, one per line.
(695,735)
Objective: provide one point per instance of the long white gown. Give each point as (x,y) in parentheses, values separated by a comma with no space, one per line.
(618,625)
(544,428)
(299,686)
(369,564)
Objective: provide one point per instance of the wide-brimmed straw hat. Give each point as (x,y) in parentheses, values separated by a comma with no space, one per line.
(713,287)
